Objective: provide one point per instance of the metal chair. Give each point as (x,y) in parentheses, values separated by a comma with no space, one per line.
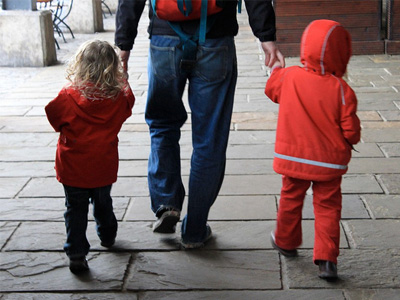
(62,11)
(103,3)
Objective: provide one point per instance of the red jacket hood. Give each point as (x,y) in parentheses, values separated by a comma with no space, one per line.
(325,48)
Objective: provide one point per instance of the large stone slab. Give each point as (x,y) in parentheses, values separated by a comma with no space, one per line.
(50,236)
(251,185)
(134,138)
(374,165)
(139,210)
(256,235)
(372,104)
(6,230)
(249,166)
(381,135)
(132,168)
(374,234)
(352,208)
(14,111)
(224,208)
(134,152)
(27,169)
(211,270)
(13,154)
(243,208)
(34,188)
(26,139)
(124,187)
(250,151)
(372,294)
(366,150)
(18,124)
(391,182)
(138,236)
(10,187)
(383,206)
(130,186)
(71,296)
(390,149)
(50,209)
(233,167)
(236,235)
(357,269)
(251,137)
(253,295)
(390,115)
(44,271)
(23,209)
(360,184)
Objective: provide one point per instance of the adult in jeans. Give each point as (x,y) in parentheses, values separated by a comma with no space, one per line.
(212,80)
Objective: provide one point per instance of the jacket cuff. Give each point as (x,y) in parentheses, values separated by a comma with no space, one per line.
(124,47)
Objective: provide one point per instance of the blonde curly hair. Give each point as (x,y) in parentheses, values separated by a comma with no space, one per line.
(96,70)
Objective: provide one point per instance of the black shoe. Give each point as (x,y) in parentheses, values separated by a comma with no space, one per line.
(327,270)
(166,223)
(107,244)
(284,252)
(78,265)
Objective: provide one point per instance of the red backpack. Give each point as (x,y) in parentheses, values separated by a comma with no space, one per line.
(183,10)
(176,11)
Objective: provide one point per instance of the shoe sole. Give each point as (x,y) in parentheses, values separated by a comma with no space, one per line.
(188,246)
(328,277)
(167,223)
(287,253)
(107,244)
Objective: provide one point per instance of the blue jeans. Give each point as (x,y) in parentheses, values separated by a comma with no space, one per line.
(212,84)
(76,217)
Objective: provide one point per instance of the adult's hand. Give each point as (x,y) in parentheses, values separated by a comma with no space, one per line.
(272,54)
(124,59)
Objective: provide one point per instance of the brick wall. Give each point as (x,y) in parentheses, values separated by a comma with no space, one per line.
(393,17)
(362,18)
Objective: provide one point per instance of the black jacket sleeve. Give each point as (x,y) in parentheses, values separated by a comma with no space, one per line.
(262,19)
(127,20)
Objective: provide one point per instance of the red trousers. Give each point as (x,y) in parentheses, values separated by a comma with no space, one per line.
(327,201)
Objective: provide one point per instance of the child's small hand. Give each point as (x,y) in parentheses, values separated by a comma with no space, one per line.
(277,64)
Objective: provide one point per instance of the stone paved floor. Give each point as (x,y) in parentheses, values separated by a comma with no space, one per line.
(239,262)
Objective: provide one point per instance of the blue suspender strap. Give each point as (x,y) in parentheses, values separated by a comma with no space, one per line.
(185,3)
(189,47)
(203,22)
(240,7)
(153,5)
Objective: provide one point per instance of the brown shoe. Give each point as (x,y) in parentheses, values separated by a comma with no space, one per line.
(284,252)
(327,270)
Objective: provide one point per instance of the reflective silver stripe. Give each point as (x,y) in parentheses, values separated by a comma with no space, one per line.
(310,162)
(303,41)
(341,89)
(324,48)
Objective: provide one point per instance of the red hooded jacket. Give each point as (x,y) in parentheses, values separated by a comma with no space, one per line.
(317,122)
(87,149)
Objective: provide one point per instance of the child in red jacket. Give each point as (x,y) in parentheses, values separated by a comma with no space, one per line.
(89,113)
(317,126)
